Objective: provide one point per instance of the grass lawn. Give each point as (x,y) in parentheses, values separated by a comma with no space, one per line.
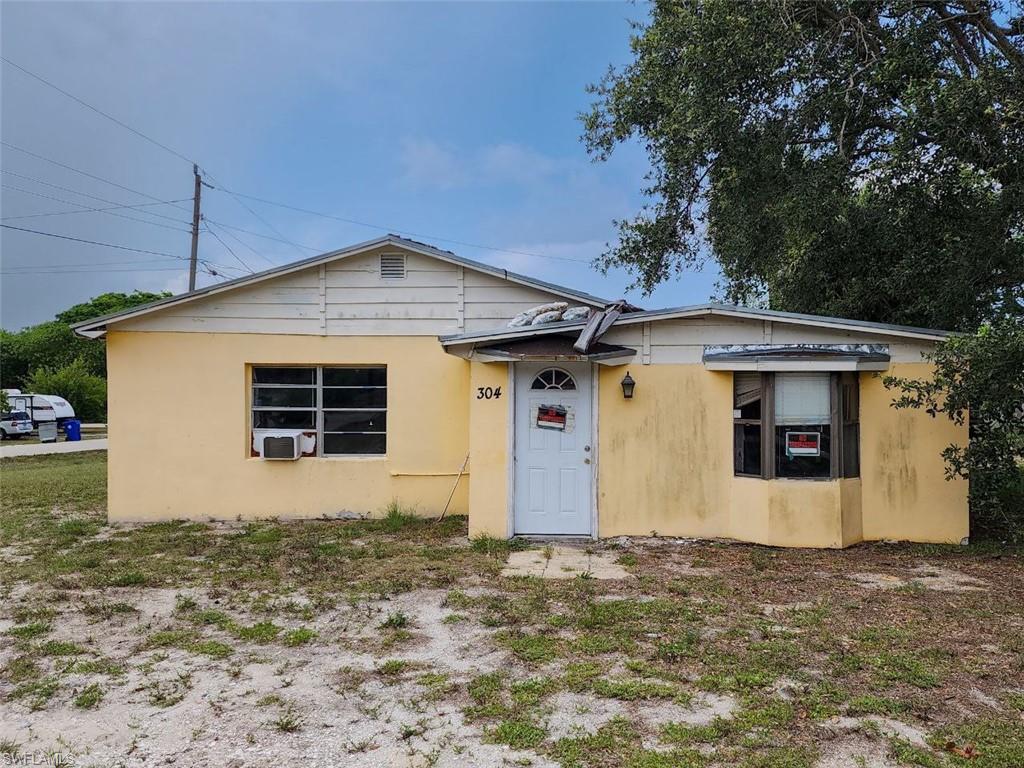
(397,642)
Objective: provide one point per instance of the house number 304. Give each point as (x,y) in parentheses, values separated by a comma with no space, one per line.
(488,393)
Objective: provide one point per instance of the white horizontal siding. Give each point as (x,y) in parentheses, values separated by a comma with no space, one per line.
(682,341)
(356,301)
(492,301)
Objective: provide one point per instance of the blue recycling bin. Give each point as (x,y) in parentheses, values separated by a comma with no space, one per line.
(72,430)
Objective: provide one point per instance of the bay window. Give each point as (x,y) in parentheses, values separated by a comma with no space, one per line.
(799,425)
(344,406)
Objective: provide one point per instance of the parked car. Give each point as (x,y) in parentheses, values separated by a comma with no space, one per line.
(15,424)
(41,407)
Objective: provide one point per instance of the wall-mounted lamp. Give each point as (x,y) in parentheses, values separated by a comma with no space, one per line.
(627,386)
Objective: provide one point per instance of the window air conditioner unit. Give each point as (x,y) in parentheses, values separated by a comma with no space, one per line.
(281,447)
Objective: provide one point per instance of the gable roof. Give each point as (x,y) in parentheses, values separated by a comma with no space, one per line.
(705,310)
(98,325)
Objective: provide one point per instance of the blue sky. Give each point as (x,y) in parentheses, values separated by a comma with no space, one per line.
(454,121)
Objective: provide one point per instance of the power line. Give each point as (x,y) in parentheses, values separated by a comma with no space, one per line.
(96,197)
(80,264)
(97,110)
(240,241)
(229,250)
(258,234)
(83,173)
(401,231)
(88,271)
(238,195)
(265,223)
(142,135)
(85,209)
(108,245)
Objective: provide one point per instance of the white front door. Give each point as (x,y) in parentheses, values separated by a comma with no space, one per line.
(554,455)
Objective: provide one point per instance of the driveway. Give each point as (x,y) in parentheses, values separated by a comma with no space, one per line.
(41,449)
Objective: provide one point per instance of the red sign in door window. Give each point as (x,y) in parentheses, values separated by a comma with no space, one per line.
(551,417)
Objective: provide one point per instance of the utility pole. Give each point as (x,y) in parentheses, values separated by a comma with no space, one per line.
(195,229)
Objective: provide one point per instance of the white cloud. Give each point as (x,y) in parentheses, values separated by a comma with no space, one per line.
(514,163)
(427,164)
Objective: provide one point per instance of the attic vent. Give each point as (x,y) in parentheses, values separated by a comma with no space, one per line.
(392,266)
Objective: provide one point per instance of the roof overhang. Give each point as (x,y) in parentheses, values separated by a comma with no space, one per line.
(708,310)
(544,348)
(797,357)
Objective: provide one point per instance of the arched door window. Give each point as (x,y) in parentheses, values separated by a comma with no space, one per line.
(553,378)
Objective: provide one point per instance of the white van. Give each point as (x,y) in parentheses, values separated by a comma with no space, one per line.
(40,407)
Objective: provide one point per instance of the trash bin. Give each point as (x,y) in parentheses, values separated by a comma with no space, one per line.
(47,431)
(73,429)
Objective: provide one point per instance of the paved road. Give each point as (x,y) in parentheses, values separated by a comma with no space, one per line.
(41,449)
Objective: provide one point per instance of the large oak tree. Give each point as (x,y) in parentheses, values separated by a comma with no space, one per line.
(862,159)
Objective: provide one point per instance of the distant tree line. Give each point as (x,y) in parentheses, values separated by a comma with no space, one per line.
(50,358)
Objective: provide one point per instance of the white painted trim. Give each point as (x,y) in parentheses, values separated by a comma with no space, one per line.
(645,358)
(511,470)
(460,297)
(796,365)
(511,527)
(322,282)
(595,518)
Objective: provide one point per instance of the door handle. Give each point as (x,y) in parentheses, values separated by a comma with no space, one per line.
(586,461)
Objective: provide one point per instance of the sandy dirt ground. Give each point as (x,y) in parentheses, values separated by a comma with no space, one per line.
(351,692)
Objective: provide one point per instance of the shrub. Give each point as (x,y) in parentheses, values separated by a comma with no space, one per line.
(981,376)
(86,392)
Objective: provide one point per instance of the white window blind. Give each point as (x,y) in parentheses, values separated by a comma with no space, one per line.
(802,398)
(747,388)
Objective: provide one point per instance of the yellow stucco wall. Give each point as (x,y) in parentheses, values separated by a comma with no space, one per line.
(852,509)
(488,442)
(179,429)
(665,467)
(905,494)
(786,513)
(664,457)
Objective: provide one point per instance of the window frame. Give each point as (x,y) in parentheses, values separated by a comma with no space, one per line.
(844,417)
(748,422)
(318,408)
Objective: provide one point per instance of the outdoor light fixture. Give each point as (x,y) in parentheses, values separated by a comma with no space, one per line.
(627,386)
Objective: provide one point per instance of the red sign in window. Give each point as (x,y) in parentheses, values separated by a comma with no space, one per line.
(803,443)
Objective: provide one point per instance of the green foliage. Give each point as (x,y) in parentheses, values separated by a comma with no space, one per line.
(518,734)
(980,379)
(838,157)
(108,304)
(86,392)
(90,697)
(47,345)
(53,345)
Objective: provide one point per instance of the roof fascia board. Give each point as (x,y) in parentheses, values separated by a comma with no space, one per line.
(704,310)
(863,326)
